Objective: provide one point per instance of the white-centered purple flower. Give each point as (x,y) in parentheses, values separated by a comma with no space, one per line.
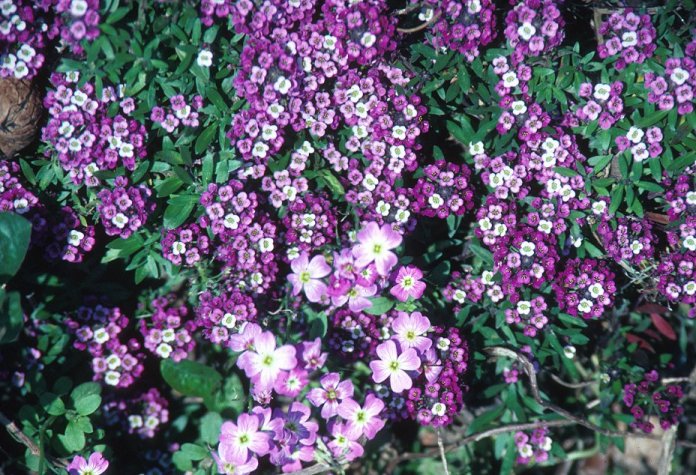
(374,245)
(393,366)
(307,274)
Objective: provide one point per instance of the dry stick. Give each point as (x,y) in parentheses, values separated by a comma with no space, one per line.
(668,445)
(25,440)
(572,385)
(420,27)
(441,448)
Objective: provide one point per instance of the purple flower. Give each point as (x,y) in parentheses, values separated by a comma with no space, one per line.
(328,396)
(96,465)
(408,284)
(410,330)
(375,245)
(265,363)
(362,420)
(307,274)
(394,366)
(236,440)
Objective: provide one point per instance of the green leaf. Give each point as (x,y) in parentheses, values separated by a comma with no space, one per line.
(178,210)
(85,390)
(190,378)
(15,233)
(52,404)
(331,182)
(617,195)
(194,452)
(11,316)
(210,427)
(205,138)
(380,306)
(88,404)
(73,439)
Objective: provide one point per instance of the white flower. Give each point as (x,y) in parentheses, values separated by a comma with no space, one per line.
(690,243)
(526,31)
(21,70)
(383,208)
(598,207)
(527,248)
(205,59)
(476,148)
(266,244)
(228,320)
(26,53)
(546,444)
(368,39)
(459,296)
(550,145)
(443,343)
(184,112)
(402,215)
(168,335)
(269,132)
(20,205)
(75,237)
(410,111)
(282,85)
(259,150)
(500,229)
(370,182)
(274,110)
(510,79)
(690,288)
(569,351)
(640,152)
(518,107)
(679,76)
(135,421)
(66,129)
(178,248)
(628,39)
(636,247)
(426,14)
(526,451)
(112,378)
(435,201)
(360,131)
(545,226)
(164,350)
(691,197)
(330,42)
(524,307)
(635,135)
(354,93)
(596,290)
(120,220)
(487,277)
(113,361)
(231,221)
(485,224)
(397,151)
(293,253)
(399,132)
(438,409)
(125,150)
(78,8)
(602,91)
(101,336)
(585,306)
(474,6)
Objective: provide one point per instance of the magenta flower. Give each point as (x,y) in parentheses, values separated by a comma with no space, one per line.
(264,365)
(96,465)
(410,330)
(408,284)
(236,440)
(375,245)
(362,420)
(307,274)
(394,366)
(343,445)
(328,396)
(230,463)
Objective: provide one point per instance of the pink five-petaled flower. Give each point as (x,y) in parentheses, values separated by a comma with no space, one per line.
(394,366)
(230,463)
(263,366)
(96,465)
(408,284)
(307,274)
(410,329)
(343,445)
(332,391)
(362,420)
(375,245)
(236,440)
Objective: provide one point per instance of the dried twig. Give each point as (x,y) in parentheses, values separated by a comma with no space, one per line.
(420,27)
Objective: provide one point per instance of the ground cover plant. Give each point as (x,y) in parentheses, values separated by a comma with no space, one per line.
(347,236)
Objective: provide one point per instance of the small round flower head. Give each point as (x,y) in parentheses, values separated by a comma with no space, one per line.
(444,190)
(143,415)
(463,26)
(186,245)
(124,209)
(627,239)
(224,315)
(649,398)
(62,235)
(585,288)
(534,28)
(168,332)
(675,88)
(628,37)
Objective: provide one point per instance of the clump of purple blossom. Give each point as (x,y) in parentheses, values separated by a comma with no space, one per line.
(168,331)
(185,245)
(533,448)
(533,28)
(628,36)
(585,288)
(677,87)
(463,26)
(124,209)
(650,398)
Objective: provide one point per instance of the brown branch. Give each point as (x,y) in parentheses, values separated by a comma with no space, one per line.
(25,440)
(584,384)
(420,27)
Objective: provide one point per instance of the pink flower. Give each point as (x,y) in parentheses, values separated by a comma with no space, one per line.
(96,465)
(230,463)
(236,440)
(375,245)
(394,366)
(307,274)
(329,395)
(409,330)
(343,445)
(362,420)
(408,284)
(264,365)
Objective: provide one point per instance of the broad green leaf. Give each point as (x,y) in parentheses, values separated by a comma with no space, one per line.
(15,233)
(190,378)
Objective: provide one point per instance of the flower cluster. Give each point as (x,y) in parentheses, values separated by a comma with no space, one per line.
(675,88)
(224,315)
(180,113)
(602,102)
(23,37)
(124,209)
(185,245)
(244,235)
(629,37)
(98,330)
(585,287)
(534,27)
(79,20)
(631,240)
(13,195)
(680,197)
(533,448)
(650,398)
(83,136)
(168,332)
(310,223)
(529,314)
(444,190)
(677,277)
(643,144)
(62,235)
(463,26)
(143,415)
